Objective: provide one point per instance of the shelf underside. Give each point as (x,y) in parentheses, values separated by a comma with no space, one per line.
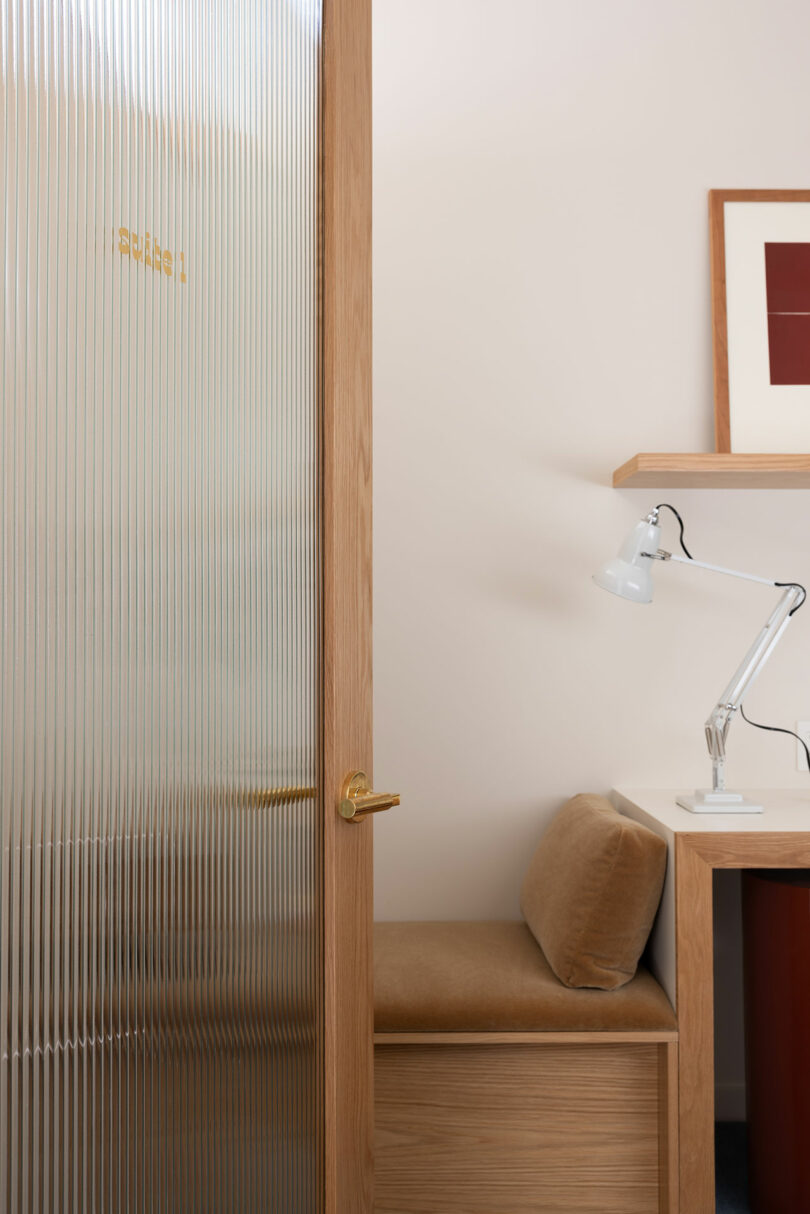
(709,470)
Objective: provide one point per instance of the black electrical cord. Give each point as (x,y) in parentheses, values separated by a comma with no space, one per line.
(777,729)
(798,586)
(666,506)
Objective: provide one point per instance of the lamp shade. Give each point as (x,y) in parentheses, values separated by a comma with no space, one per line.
(629,574)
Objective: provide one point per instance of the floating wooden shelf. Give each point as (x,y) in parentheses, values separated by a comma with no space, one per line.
(713,471)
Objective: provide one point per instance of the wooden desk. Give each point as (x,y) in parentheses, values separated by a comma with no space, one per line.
(682,941)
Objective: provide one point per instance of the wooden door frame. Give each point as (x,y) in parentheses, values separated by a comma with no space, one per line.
(348,1090)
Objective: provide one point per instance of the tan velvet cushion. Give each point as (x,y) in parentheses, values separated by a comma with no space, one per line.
(492,977)
(591,892)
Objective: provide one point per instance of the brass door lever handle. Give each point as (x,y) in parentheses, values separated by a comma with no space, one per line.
(357,800)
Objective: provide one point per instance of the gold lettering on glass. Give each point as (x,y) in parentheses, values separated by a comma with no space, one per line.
(148,251)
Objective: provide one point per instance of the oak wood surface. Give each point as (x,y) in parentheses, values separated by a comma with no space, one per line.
(696,856)
(540,1039)
(709,470)
(346,600)
(717,260)
(749,849)
(695,1004)
(668,1127)
(514,1128)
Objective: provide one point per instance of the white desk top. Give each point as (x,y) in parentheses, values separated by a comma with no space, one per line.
(786,810)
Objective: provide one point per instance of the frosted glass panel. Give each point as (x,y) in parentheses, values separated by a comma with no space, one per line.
(160,842)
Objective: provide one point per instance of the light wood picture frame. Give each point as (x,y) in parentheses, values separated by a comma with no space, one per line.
(761,383)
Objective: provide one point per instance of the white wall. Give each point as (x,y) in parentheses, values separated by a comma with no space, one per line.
(541,314)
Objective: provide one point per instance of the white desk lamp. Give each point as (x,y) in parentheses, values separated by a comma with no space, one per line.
(630,575)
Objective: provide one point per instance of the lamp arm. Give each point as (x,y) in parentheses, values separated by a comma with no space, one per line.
(720,718)
(682,560)
(721,715)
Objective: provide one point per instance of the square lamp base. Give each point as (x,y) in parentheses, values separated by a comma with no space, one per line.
(707,801)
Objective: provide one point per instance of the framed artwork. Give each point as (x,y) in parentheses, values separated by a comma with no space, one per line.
(760,261)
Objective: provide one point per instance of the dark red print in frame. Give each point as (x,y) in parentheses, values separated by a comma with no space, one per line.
(787,280)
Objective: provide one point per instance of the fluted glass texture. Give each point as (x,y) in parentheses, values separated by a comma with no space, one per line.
(160,871)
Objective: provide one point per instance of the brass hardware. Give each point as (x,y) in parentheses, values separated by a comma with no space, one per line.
(357,800)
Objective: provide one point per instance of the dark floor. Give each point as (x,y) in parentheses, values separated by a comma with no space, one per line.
(731,1168)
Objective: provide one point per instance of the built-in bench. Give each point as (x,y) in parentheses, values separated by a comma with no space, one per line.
(501,1089)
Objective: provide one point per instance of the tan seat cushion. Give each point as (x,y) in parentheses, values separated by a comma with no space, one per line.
(492,977)
(591,892)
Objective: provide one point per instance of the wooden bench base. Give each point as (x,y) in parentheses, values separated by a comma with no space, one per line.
(506,1123)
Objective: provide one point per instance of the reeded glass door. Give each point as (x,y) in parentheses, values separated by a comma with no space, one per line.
(161,925)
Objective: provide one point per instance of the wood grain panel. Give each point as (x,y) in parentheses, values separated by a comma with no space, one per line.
(717,260)
(510,1129)
(695,1002)
(668,1126)
(346,538)
(523,1038)
(706,470)
(760,849)
(696,856)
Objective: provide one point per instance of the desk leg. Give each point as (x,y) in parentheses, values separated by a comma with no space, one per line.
(695,987)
